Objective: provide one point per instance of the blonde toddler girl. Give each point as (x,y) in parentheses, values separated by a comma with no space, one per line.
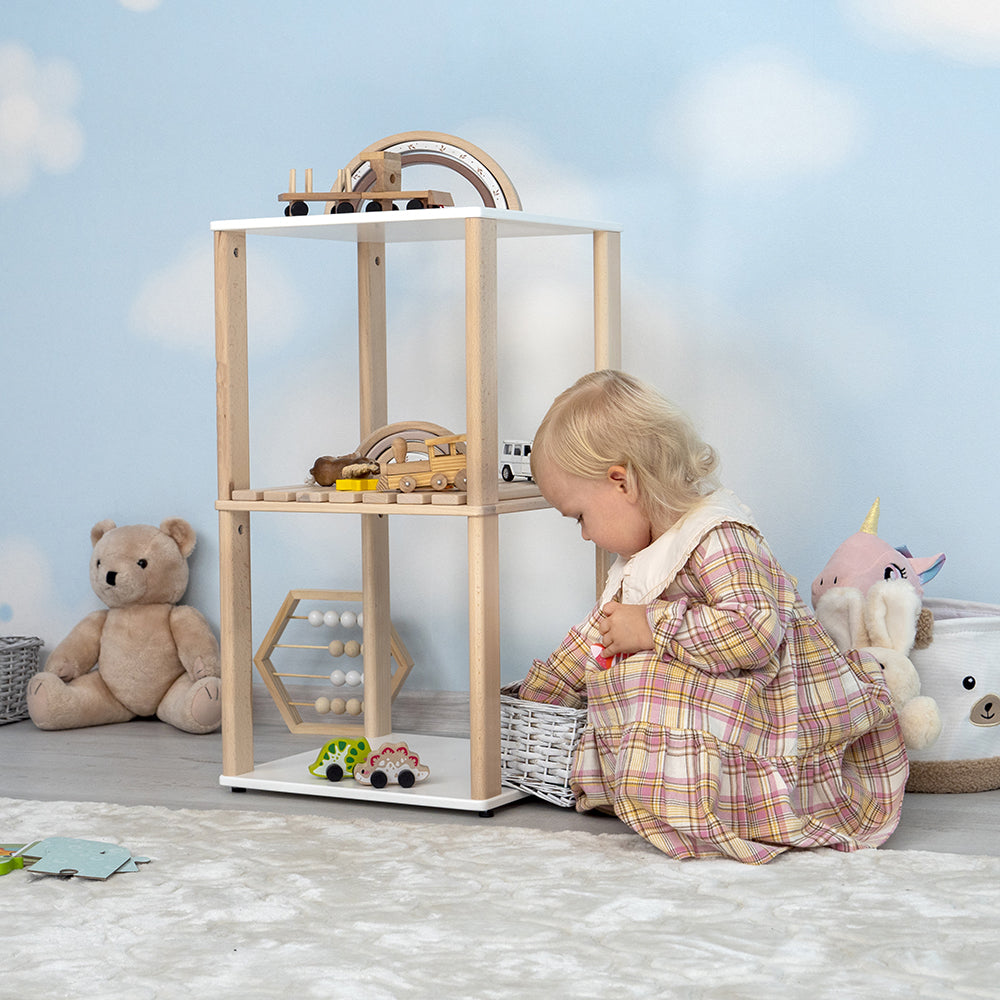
(721,719)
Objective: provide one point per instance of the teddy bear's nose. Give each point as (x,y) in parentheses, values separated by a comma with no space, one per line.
(111,578)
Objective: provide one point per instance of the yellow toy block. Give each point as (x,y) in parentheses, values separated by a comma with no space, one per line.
(357,484)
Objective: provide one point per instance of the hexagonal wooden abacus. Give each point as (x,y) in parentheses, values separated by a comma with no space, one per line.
(337,681)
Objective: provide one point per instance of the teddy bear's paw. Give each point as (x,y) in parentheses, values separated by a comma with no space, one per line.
(205,668)
(60,666)
(192,707)
(85,701)
(44,699)
(206,703)
(920,722)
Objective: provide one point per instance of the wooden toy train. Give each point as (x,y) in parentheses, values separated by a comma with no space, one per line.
(443,467)
(384,461)
(373,179)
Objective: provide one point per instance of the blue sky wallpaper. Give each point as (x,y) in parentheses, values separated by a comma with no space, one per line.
(808,192)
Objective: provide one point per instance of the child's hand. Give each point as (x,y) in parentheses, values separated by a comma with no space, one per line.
(625,629)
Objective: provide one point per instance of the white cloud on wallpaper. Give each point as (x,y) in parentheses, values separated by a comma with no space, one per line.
(965,30)
(38,130)
(28,605)
(140,6)
(759,117)
(176,304)
(827,329)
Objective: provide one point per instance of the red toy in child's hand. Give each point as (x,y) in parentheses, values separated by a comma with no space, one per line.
(603,662)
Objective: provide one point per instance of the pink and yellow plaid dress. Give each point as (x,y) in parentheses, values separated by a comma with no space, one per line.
(745,732)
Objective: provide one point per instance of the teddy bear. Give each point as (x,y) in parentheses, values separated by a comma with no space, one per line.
(869,597)
(152,655)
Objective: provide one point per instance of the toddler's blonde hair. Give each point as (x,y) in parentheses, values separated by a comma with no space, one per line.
(610,418)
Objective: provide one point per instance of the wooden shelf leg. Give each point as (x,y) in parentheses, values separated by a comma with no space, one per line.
(233,429)
(378,626)
(373,392)
(607,336)
(484,655)
(483,531)
(372,363)
(235,642)
(607,300)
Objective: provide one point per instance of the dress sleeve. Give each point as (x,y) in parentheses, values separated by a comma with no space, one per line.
(561,679)
(736,606)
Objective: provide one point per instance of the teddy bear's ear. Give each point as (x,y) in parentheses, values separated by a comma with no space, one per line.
(181,532)
(99,530)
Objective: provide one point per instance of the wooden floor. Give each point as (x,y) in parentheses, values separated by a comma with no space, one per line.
(147,762)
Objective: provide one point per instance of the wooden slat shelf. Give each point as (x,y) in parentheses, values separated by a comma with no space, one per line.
(512,497)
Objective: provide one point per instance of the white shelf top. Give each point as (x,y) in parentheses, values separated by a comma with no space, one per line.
(410,225)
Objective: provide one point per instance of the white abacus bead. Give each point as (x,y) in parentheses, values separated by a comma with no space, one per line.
(361,619)
(331,618)
(316,618)
(337,678)
(352,647)
(348,619)
(322,705)
(353,706)
(336,648)
(338,706)
(353,678)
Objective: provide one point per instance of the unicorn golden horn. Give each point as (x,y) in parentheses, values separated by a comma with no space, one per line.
(870,527)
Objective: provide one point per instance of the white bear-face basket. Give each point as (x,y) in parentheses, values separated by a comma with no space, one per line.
(960,670)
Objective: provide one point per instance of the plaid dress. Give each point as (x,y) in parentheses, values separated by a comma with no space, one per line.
(745,732)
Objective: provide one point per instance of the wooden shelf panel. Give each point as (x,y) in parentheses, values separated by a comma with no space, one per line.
(424,510)
(411,226)
(513,497)
(446,788)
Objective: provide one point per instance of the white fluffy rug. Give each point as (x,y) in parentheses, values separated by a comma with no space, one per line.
(259,905)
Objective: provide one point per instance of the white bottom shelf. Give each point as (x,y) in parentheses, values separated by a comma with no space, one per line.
(447,786)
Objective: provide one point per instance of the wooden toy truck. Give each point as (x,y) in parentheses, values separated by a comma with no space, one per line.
(387,168)
(444,466)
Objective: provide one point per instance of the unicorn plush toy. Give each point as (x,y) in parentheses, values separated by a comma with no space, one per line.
(869,597)
(864,560)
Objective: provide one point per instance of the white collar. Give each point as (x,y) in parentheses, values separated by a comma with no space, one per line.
(648,573)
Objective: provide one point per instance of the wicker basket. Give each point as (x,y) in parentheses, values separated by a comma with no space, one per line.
(18,663)
(537,743)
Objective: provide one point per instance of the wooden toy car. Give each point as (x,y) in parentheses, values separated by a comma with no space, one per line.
(391,765)
(515,460)
(444,466)
(339,758)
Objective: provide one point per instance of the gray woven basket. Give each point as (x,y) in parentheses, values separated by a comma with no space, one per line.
(18,664)
(537,744)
